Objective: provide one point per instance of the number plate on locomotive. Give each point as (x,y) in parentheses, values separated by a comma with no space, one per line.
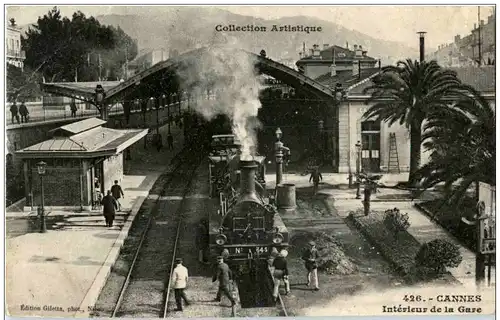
(243,250)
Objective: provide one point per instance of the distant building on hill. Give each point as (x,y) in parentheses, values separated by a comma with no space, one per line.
(464,51)
(15,56)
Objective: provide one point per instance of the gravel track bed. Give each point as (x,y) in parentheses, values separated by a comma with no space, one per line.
(145,295)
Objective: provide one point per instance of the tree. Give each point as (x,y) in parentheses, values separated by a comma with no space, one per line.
(79,48)
(407,93)
(462,140)
(22,84)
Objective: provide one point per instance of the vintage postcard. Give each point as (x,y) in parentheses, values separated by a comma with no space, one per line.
(250,161)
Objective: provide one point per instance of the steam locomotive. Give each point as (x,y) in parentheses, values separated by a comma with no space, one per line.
(246,229)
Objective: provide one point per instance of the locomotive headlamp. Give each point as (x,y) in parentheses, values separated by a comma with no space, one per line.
(277,238)
(220,239)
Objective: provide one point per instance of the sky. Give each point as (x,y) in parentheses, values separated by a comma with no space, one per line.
(398,23)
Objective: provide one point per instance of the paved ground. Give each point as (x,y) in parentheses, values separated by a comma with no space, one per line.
(58,270)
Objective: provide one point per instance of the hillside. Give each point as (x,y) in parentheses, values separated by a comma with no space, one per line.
(185,28)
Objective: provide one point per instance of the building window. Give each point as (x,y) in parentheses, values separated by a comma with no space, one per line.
(370,126)
(17,44)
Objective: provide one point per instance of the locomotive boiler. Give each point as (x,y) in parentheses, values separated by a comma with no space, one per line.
(246,229)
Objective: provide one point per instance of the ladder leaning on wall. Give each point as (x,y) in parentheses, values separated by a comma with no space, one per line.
(393,164)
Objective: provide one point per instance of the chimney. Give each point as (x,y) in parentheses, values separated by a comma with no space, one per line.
(326,45)
(422,45)
(247,180)
(457,38)
(355,68)
(379,64)
(333,70)
(475,26)
(358,51)
(316,51)
(482,22)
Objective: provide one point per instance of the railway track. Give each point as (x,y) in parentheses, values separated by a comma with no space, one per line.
(146,290)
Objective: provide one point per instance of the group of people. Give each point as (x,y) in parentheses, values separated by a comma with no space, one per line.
(111,202)
(222,274)
(22,110)
(280,265)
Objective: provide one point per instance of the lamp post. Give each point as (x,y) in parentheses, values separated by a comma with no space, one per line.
(41,172)
(99,98)
(278,148)
(358,169)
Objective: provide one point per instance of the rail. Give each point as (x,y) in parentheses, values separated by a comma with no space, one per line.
(125,285)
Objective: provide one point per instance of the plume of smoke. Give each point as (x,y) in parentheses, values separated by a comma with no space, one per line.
(229,75)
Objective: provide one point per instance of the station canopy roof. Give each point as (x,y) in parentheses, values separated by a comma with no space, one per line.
(88,143)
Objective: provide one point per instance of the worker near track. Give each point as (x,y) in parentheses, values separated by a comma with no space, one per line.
(202,240)
(280,273)
(316,177)
(180,277)
(224,275)
(310,257)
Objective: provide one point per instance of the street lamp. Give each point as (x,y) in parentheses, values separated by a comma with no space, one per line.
(41,172)
(358,169)
(99,98)
(278,148)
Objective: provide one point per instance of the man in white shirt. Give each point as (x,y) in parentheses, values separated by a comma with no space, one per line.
(179,283)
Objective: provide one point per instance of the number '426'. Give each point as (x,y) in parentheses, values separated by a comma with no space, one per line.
(412,298)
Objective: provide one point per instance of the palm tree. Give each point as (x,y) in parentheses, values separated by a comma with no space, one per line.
(407,93)
(462,139)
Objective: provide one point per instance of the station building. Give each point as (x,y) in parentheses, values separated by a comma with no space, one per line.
(76,154)
(353,70)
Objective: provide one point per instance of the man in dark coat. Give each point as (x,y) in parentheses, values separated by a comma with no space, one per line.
(14,111)
(73,108)
(170,141)
(109,206)
(316,178)
(117,193)
(23,111)
(202,240)
(224,275)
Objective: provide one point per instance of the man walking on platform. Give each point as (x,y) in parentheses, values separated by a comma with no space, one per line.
(179,283)
(224,275)
(117,192)
(108,208)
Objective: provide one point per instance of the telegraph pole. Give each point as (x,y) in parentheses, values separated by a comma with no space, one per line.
(479,33)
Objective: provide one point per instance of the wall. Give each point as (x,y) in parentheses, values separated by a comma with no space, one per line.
(113,170)
(350,133)
(487,193)
(61,187)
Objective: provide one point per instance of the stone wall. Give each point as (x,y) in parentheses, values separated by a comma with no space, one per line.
(61,187)
(113,170)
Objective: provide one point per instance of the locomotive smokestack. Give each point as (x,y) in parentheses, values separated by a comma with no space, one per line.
(247,178)
(422,45)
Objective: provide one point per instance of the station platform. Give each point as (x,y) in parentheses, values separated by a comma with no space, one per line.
(60,273)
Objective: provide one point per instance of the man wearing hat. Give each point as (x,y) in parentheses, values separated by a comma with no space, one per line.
(179,283)
(224,275)
(280,273)
(310,257)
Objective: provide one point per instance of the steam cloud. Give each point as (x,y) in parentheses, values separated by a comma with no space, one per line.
(230,75)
